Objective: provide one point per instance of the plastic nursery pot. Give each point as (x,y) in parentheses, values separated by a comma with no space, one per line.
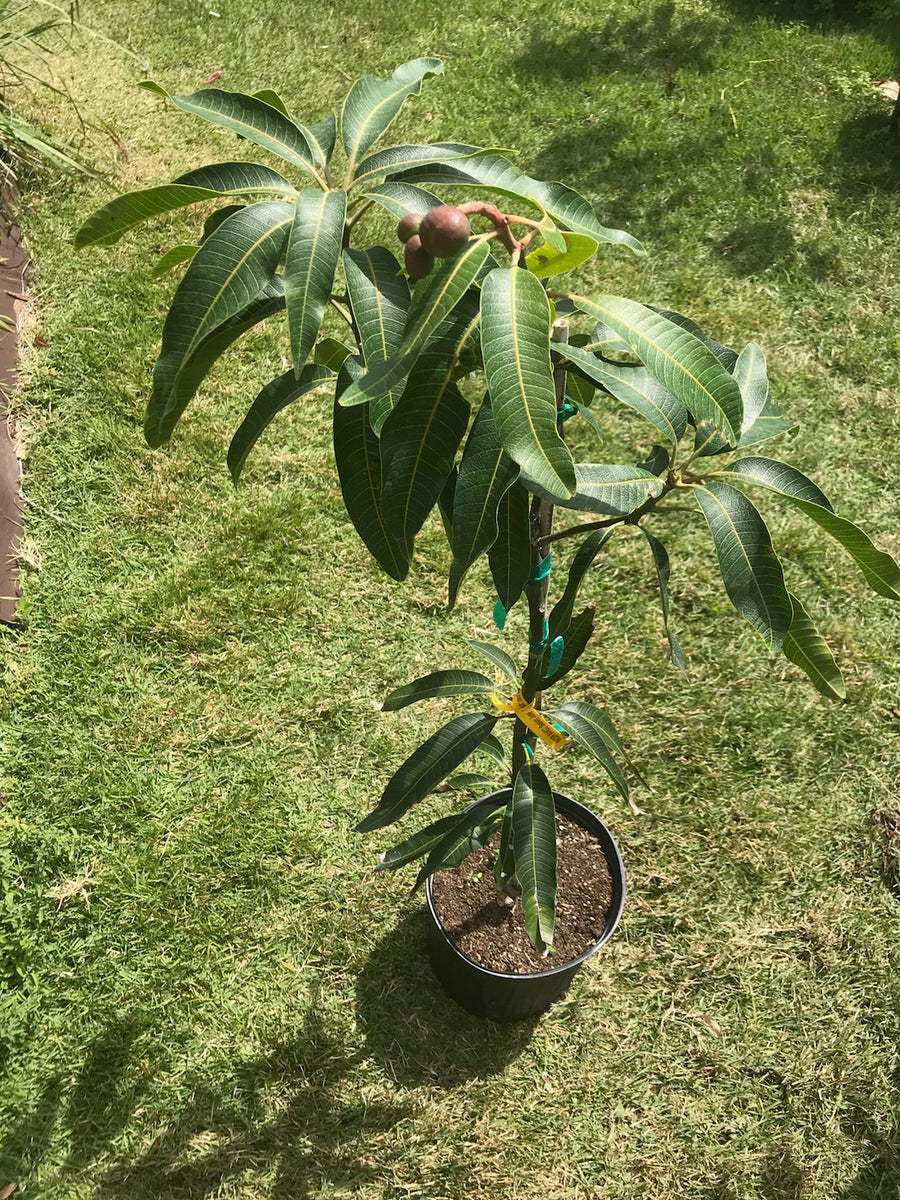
(504,997)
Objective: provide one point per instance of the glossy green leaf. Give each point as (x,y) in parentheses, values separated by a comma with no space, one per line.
(439,683)
(173,258)
(634,386)
(434,760)
(401,158)
(239,178)
(357,454)
(270,96)
(562,611)
(682,363)
(763,418)
(379,298)
(879,570)
(546,261)
(493,748)
(499,658)
(329,352)
(434,299)
(322,137)
(372,104)
(313,252)
(534,851)
(577,634)
(592,729)
(610,488)
(505,863)
(254,120)
(471,832)
(469,779)
(268,404)
(445,505)
(486,473)
(805,647)
(726,356)
(422,842)
(218,217)
(515,343)
(750,569)
(661,562)
(228,272)
(402,198)
(509,555)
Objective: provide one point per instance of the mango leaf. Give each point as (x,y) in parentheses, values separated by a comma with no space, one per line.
(682,363)
(546,261)
(486,472)
(577,634)
(509,555)
(879,570)
(591,728)
(329,352)
(434,760)
(515,343)
(379,298)
(499,658)
(726,356)
(357,454)
(439,683)
(216,218)
(256,121)
(372,104)
(806,648)
(472,830)
(270,96)
(271,400)
(313,251)
(661,562)
(173,258)
(322,137)
(581,562)
(402,198)
(534,851)
(227,273)
(763,418)
(505,863)
(750,569)
(492,747)
(435,297)
(610,488)
(445,505)
(421,842)
(400,158)
(634,386)
(469,779)
(239,178)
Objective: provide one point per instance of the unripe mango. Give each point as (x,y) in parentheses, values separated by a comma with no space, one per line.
(444,231)
(416,258)
(409,225)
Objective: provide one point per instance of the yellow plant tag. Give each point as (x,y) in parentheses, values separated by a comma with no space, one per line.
(537,723)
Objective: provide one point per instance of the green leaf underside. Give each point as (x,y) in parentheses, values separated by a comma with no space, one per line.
(682,363)
(108,224)
(592,729)
(726,356)
(426,767)
(401,158)
(254,120)
(580,565)
(313,252)
(499,658)
(661,562)
(434,298)
(423,841)
(498,174)
(329,352)
(372,104)
(270,96)
(751,377)
(158,427)
(534,850)
(805,647)
(471,832)
(486,472)
(879,570)
(515,327)
(271,400)
(216,218)
(439,683)
(635,387)
(229,270)
(379,298)
(547,261)
(610,488)
(357,454)
(577,635)
(173,258)
(750,570)
(509,556)
(399,199)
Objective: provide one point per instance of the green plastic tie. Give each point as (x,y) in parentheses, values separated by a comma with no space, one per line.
(529,748)
(568,410)
(500,615)
(537,647)
(556,652)
(542,570)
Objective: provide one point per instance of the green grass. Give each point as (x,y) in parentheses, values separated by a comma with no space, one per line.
(206,992)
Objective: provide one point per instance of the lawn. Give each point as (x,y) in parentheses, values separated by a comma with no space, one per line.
(204,990)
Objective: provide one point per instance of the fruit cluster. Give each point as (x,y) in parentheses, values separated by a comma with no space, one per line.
(440,233)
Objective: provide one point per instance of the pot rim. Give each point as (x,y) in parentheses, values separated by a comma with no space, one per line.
(616,867)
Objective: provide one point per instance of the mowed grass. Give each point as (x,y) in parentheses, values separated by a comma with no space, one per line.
(206,991)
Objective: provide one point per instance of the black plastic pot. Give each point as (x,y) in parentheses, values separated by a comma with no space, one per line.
(504,997)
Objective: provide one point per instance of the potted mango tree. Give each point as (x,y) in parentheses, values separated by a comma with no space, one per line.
(464,357)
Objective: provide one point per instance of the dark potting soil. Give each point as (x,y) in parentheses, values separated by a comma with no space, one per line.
(465,899)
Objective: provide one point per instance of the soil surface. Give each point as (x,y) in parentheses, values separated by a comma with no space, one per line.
(465,899)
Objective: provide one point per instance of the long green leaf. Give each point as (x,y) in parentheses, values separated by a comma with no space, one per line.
(534,851)
(763,418)
(515,342)
(505,863)
(471,832)
(499,658)
(421,842)
(434,760)
(509,555)
(750,570)
(401,158)
(806,648)
(486,473)
(379,298)
(372,104)
(313,252)
(434,298)
(173,258)
(547,261)
(268,404)
(493,748)
(577,634)
(256,121)
(592,729)
(682,363)
(402,198)
(610,488)
(661,562)
(439,683)
(322,137)
(880,571)
(581,563)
